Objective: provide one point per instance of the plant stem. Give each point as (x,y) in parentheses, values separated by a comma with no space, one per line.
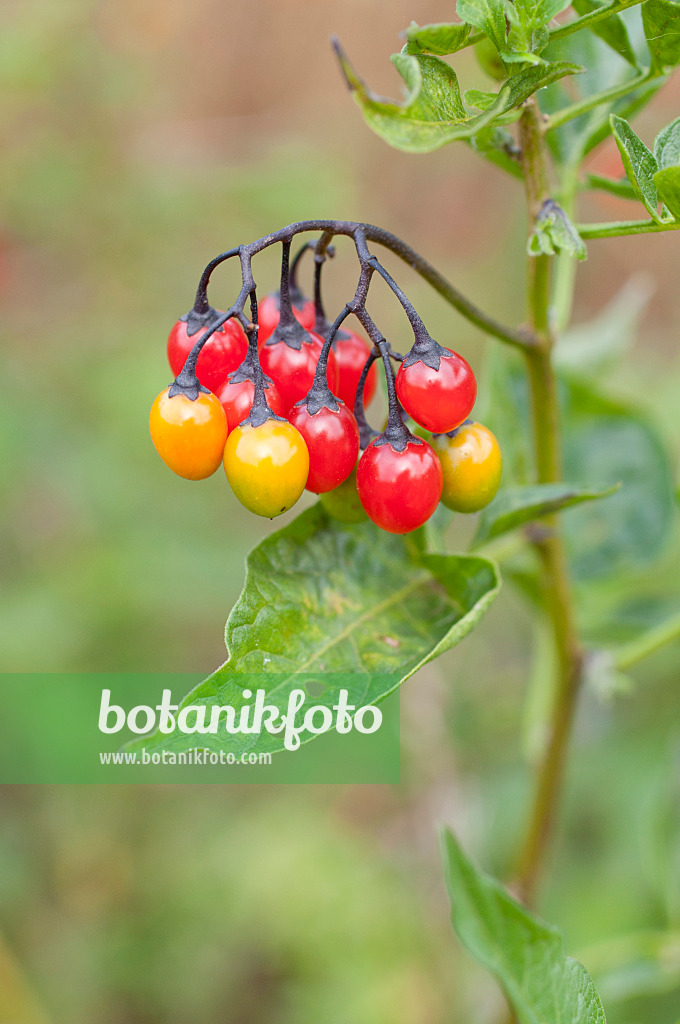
(625,227)
(548,541)
(606,11)
(607,96)
(648,643)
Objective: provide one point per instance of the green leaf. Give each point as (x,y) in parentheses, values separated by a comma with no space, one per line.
(554,232)
(667,146)
(479,99)
(487,15)
(639,164)
(440,39)
(606,440)
(571,141)
(515,506)
(661,20)
(349,606)
(667,184)
(527,82)
(525,955)
(433,113)
(611,30)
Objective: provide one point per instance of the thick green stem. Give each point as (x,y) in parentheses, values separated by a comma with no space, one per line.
(547,539)
(625,227)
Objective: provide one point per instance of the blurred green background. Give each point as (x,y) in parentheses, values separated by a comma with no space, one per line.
(139,138)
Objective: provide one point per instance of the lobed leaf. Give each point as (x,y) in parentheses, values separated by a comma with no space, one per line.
(327,606)
(440,39)
(433,113)
(516,506)
(639,164)
(524,954)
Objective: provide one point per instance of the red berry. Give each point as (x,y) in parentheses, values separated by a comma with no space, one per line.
(237,399)
(399,490)
(351,352)
(292,369)
(439,400)
(332,437)
(223,351)
(269,313)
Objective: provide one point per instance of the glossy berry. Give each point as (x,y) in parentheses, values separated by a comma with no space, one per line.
(237,399)
(343,503)
(332,438)
(471,465)
(189,435)
(399,490)
(266,466)
(269,312)
(438,399)
(292,369)
(351,352)
(223,352)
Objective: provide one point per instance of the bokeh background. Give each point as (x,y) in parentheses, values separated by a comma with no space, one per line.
(139,138)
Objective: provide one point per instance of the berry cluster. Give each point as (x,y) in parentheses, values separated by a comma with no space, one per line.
(279,399)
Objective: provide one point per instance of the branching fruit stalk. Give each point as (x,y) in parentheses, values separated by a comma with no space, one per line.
(548,540)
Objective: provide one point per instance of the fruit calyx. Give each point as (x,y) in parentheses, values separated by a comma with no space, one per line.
(426,350)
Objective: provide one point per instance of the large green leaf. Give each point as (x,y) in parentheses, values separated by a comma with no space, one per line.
(661,20)
(433,113)
(606,441)
(639,163)
(611,30)
(515,506)
(326,607)
(524,954)
(605,68)
(440,39)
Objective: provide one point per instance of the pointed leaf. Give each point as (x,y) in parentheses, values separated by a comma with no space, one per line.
(440,39)
(638,162)
(515,506)
(661,20)
(333,606)
(433,113)
(525,955)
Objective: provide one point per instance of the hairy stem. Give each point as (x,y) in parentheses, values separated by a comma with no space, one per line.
(547,539)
